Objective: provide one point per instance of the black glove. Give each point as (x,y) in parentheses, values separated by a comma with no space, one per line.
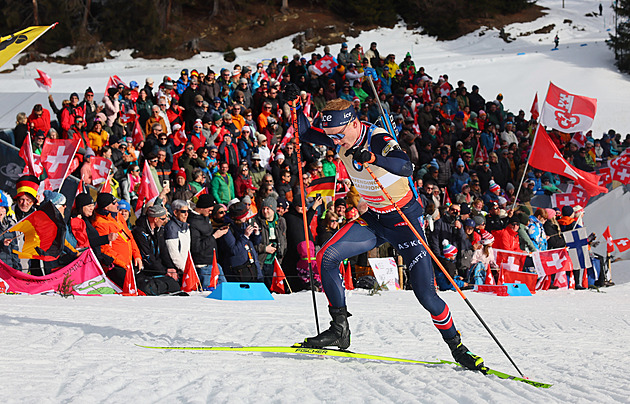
(292,94)
(361,155)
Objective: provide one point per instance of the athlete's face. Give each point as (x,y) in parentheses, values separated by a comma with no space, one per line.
(345,136)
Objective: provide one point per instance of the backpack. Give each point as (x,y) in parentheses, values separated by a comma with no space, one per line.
(157,285)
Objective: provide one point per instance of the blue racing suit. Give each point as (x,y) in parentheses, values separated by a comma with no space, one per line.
(381,223)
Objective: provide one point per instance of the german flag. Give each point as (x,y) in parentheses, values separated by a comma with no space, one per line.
(44,233)
(324,186)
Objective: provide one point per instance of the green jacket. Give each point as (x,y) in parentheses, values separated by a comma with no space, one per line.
(222,190)
(329,168)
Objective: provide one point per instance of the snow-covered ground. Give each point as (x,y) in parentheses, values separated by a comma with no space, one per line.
(82,350)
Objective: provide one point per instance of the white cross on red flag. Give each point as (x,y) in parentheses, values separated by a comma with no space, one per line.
(277,283)
(43,81)
(579,139)
(57,156)
(622,174)
(552,261)
(610,246)
(114,81)
(546,156)
(324,65)
(190,279)
(100,169)
(567,112)
(605,176)
(33,161)
(126,117)
(148,191)
(510,260)
(622,244)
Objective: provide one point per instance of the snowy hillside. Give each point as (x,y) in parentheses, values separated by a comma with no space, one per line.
(82,350)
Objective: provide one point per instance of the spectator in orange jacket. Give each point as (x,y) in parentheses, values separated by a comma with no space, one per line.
(507,239)
(123,249)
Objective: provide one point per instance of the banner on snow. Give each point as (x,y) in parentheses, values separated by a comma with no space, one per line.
(85,273)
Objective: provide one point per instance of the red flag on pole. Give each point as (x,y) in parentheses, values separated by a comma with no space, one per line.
(130,288)
(567,112)
(277,283)
(552,261)
(126,117)
(113,81)
(57,156)
(33,161)
(622,244)
(138,135)
(190,281)
(324,65)
(534,108)
(180,137)
(43,81)
(347,278)
(148,191)
(100,169)
(489,278)
(610,245)
(546,156)
(214,275)
(176,157)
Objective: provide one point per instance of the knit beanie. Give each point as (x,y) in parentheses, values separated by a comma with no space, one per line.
(449,250)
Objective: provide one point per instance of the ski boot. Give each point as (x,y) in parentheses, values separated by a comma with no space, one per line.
(463,356)
(337,335)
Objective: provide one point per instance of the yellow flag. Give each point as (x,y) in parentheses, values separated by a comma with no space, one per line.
(13,44)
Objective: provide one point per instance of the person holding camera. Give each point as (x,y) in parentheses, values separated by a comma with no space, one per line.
(273,243)
(238,247)
(447,227)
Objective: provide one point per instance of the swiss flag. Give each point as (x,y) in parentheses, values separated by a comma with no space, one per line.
(622,244)
(214,275)
(277,283)
(605,177)
(138,134)
(568,199)
(126,117)
(534,108)
(148,191)
(481,152)
(129,287)
(33,161)
(621,161)
(622,174)
(114,81)
(57,156)
(100,169)
(180,137)
(489,278)
(610,246)
(190,281)
(43,81)
(324,65)
(546,156)
(509,260)
(552,261)
(561,281)
(347,278)
(287,136)
(579,139)
(567,112)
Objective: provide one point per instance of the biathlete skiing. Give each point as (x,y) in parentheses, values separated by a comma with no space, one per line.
(360,144)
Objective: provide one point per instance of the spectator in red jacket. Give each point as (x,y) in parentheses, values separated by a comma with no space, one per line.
(39,119)
(507,239)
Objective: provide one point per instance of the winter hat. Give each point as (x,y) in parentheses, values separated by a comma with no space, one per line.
(479,220)
(204,201)
(469,223)
(464,208)
(124,205)
(27,184)
(233,202)
(523,218)
(104,199)
(181,173)
(56,198)
(525,209)
(473,114)
(82,200)
(567,211)
(459,163)
(487,238)
(282,202)
(111,91)
(238,211)
(156,211)
(89,153)
(550,213)
(279,156)
(494,186)
(482,112)
(256,156)
(502,201)
(434,163)
(261,137)
(270,203)
(449,250)
(340,202)
(246,200)
(509,187)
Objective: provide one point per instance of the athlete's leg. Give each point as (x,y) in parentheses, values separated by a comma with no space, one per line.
(352,239)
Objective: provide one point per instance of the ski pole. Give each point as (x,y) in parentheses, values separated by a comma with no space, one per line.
(439,264)
(294,123)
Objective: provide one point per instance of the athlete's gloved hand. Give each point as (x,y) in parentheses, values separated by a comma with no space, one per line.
(361,155)
(292,94)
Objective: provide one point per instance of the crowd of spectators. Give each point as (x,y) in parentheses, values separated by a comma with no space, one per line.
(232,187)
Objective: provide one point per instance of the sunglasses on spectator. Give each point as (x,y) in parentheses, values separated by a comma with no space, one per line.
(153,161)
(190,148)
(184,211)
(221,212)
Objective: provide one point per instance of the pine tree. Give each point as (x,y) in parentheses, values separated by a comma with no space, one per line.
(620,40)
